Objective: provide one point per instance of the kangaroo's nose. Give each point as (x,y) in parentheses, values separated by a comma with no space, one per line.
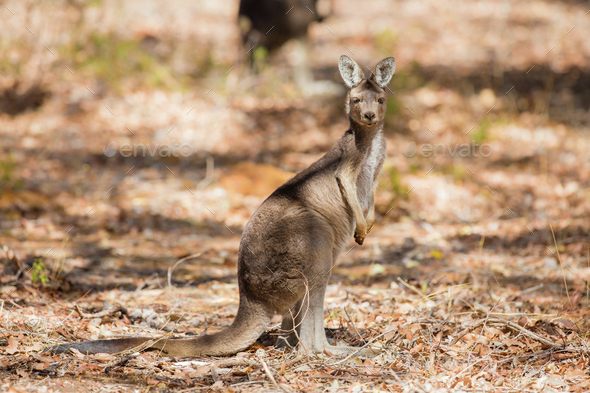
(370,116)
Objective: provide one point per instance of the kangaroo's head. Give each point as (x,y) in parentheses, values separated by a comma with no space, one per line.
(365,101)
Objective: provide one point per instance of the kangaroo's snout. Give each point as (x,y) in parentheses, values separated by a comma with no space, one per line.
(369,116)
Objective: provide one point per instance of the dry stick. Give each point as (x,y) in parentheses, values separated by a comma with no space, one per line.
(304,315)
(371,341)
(101,314)
(145,345)
(123,356)
(295,326)
(173,328)
(588,282)
(83,296)
(353,326)
(148,344)
(119,361)
(511,325)
(413,288)
(561,265)
(266,369)
(236,362)
(171,331)
(482,329)
(214,374)
(171,269)
(296,335)
(465,369)
(549,351)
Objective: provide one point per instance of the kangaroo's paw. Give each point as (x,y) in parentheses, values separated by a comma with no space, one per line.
(359,238)
(370,224)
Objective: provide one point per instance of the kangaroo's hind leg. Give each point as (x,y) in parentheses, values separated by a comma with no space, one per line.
(313,336)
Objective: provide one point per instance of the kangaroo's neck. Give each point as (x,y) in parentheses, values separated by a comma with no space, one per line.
(364,134)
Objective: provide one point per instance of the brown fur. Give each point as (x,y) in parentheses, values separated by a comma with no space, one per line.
(292,241)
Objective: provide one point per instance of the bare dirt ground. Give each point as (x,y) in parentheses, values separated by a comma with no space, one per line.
(475,278)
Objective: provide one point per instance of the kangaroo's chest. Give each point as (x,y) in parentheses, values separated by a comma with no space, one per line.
(368,171)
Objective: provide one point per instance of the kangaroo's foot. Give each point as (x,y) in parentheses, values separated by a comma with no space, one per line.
(342,351)
(313,339)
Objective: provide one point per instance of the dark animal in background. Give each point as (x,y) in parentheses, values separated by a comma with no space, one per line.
(274,22)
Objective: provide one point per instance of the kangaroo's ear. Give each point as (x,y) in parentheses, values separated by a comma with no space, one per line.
(350,71)
(384,71)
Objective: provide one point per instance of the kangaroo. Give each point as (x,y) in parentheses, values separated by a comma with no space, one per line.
(292,241)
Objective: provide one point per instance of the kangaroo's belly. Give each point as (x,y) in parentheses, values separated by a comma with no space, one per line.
(368,171)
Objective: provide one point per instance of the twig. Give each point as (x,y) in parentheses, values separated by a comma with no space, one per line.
(260,354)
(236,362)
(561,265)
(509,324)
(353,326)
(100,314)
(297,334)
(465,369)
(119,361)
(413,288)
(481,333)
(304,315)
(364,346)
(171,269)
(145,345)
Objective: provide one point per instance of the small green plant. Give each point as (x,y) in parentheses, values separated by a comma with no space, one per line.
(7,178)
(114,59)
(408,79)
(260,58)
(399,189)
(39,272)
(424,288)
(458,173)
(481,134)
(392,111)
(7,170)
(385,42)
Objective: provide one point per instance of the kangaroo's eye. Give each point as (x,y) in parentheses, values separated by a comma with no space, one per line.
(381,100)
(356,100)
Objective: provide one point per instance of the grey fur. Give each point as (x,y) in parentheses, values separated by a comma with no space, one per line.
(350,71)
(292,241)
(384,71)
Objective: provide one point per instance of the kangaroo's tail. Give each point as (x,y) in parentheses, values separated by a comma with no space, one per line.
(250,322)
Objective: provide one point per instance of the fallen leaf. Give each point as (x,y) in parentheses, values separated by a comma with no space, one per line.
(39,366)
(564,323)
(12,346)
(102,357)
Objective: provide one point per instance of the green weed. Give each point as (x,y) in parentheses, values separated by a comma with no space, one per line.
(395,183)
(113,60)
(39,272)
(385,42)
(7,174)
(481,134)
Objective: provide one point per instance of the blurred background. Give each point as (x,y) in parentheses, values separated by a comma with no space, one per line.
(258,97)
